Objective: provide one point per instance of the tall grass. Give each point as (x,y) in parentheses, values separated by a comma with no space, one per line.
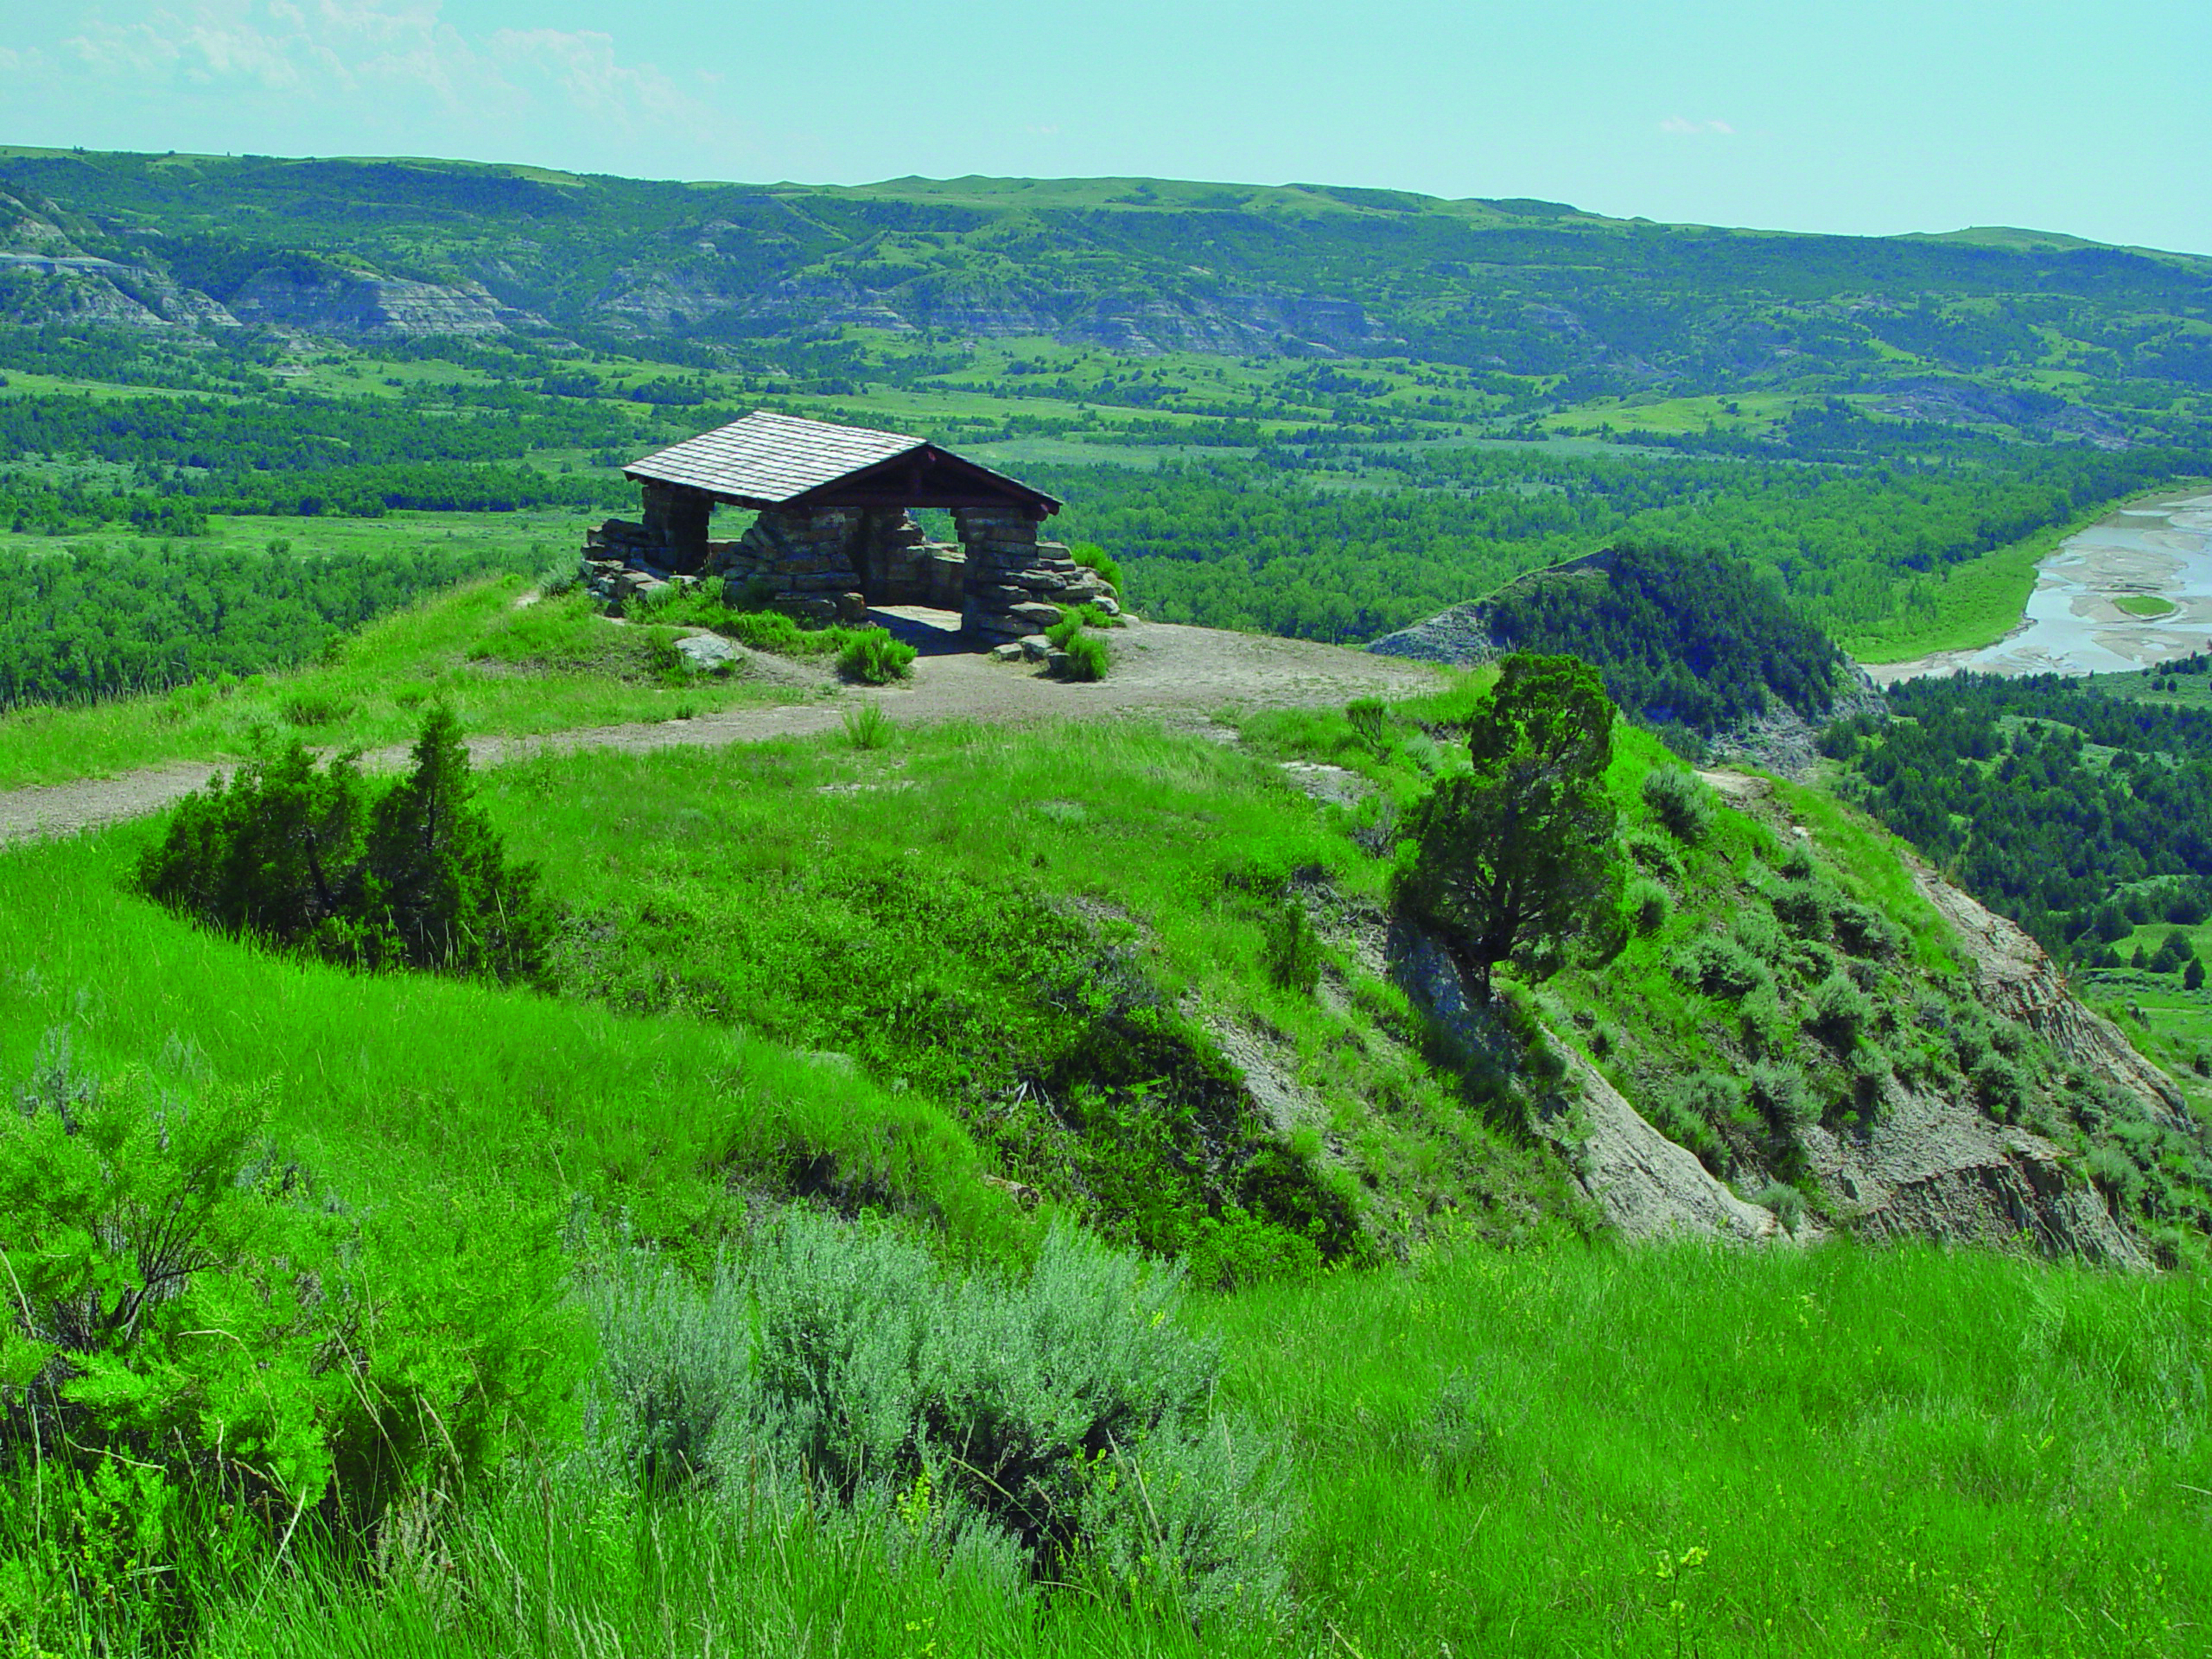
(379,1079)
(502,667)
(1695,1450)
(1566,1451)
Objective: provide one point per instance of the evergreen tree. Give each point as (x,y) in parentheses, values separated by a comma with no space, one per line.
(1514,858)
(417,878)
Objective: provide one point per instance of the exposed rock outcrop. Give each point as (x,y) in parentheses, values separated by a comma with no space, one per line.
(76,287)
(2016,977)
(317,297)
(1933,1168)
(1647,1187)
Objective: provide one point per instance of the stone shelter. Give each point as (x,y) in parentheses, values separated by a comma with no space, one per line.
(835,533)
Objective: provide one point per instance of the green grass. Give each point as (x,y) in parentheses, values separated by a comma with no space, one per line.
(535,536)
(1565,1451)
(2169,1022)
(2144,604)
(1555,1448)
(930,909)
(507,667)
(1681,1450)
(379,1079)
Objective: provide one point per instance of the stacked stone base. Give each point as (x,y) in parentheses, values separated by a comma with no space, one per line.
(829,564)
(1017,584)
(799,564)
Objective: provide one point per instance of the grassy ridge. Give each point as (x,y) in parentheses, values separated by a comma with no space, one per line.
(392,1081)
(505,667)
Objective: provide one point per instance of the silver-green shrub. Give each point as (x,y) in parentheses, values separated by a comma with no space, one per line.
(1061,1422)
(1681,801)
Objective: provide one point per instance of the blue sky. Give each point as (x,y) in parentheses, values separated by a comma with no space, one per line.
(2093,118)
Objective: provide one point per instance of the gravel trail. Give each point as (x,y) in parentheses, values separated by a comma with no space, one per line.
(1161,670)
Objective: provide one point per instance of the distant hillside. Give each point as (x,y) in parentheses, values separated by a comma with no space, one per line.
(1695,644)
(1521,288)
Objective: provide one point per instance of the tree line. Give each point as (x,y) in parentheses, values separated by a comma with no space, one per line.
(2077,813)
(137,615)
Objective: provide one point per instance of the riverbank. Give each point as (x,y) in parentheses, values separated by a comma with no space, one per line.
(2156,547)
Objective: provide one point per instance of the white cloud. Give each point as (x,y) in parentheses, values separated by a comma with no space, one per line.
(401,61)
(1678,127)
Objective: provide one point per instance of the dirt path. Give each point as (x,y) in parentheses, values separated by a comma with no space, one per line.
(1160,669)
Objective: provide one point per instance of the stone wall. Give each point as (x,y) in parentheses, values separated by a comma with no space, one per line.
(801,562)
(829,564)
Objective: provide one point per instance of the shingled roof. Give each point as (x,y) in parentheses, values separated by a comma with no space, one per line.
(768,460)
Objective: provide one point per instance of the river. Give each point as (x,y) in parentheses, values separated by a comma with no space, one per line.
(2161,547)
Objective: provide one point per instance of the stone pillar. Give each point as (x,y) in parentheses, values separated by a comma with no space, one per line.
(1016,584)
(676,518)
(890,543)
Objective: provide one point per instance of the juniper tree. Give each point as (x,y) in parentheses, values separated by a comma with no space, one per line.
(1514,857)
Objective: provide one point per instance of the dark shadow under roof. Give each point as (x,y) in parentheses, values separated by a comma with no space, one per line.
(768,460)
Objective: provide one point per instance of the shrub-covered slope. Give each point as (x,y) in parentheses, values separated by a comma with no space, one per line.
(1700,645)
(728,1279)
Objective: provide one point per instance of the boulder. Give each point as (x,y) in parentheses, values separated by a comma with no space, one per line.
(709,653)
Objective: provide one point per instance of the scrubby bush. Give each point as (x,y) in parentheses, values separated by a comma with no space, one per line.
(1801,905)
(2001,1085)
(1091,556)
(1786,1201)
(1837,1012)
(1369,720)
(1779,1094)
(872,657)
(304,857)
(1657,855)
(180,1296)
(1087,657)
(1767,1027)
(1064,1419)
(1649,905)
(1290,950)
(1687,1111)
(1720,967)
(1681,801)
(1862,930)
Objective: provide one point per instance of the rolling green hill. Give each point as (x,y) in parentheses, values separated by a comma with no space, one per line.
(1314,410)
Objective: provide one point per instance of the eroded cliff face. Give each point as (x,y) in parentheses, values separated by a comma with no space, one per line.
(1916,1161)
(1644,1185)
(46,276)
(2016,977)
(1928,1166)
(333,301)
